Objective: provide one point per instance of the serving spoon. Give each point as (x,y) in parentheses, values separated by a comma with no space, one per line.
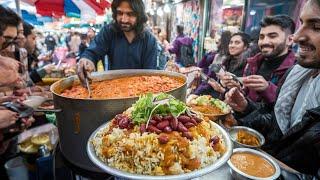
(87,83)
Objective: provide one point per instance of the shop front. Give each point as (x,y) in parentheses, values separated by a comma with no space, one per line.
(222,15)
(257,9)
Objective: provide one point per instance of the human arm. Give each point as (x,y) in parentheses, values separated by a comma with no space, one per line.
(99,47)
(175,47)
(7,118)
(229,80)
(37,75)
(266,89)
(258,116)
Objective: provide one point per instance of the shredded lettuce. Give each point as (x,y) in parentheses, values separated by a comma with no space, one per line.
(142,108)
(162,104)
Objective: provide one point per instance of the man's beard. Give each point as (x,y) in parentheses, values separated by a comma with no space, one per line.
(276,52)
(126,27)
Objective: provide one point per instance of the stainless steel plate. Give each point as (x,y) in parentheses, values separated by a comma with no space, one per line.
(198,173)
(233,131)
(237,174)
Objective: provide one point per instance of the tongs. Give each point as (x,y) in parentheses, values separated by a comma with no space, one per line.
(87,83)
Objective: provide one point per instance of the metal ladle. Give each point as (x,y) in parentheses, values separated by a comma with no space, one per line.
(87,83)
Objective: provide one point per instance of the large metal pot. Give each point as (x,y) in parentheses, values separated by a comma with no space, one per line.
(80,117)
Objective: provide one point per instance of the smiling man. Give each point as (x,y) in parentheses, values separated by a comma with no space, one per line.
(126,41)
(292,128)
(264,71)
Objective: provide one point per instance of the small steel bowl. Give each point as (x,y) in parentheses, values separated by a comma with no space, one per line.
(233,131)
(239,175)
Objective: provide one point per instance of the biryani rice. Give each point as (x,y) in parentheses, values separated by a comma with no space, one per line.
(138,153)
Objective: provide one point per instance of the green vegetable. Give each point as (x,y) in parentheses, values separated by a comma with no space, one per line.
(220,104)
(142,108)
(162,104)
(203,100)
(176,107)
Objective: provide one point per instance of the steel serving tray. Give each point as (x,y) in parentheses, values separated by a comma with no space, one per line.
(197,173)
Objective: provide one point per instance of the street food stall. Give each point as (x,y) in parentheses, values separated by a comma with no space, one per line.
(144,127)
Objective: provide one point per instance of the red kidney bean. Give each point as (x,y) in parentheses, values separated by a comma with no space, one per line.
(187,134)
(152,128)
(143,128)
(123,123)
(174,124)
(163,139)
(167,129)
(197,119)
(189,125)
(119,116)
(168,117)
(153,122)
(181,127)
(214,140)
(184,119)
(193,121)
(157,118)
(130,125)
(163,124)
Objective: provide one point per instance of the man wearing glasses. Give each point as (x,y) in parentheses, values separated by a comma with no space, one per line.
(9,22)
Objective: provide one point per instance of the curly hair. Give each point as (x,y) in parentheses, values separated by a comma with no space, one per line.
(8,18)
(138,9)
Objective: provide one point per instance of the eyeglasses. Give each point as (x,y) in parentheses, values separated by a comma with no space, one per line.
(8,41)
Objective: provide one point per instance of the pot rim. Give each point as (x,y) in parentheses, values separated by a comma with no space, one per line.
(121,73)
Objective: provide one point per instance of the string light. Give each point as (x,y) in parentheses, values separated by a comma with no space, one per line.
(166,8)
(159,12)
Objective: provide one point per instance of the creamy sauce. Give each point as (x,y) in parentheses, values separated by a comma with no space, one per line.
(252,164)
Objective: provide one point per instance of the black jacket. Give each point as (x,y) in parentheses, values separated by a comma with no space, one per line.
(299,148)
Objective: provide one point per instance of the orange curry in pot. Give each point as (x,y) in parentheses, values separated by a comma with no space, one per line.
(125,87)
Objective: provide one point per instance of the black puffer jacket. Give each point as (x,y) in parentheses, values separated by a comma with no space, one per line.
(299,148)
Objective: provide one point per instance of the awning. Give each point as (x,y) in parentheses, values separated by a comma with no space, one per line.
(30,18)
(53,8)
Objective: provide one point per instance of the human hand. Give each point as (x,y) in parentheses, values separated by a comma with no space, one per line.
(45,57)
(256,83)
(216,86)
(84,68)
(48,68)
(9,71)
(227,80)
(9,98)
(7,118)
(236,100)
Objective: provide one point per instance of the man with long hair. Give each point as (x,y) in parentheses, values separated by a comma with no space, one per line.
(125,41)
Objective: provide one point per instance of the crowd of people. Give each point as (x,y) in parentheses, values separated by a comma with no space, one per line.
(271,86)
